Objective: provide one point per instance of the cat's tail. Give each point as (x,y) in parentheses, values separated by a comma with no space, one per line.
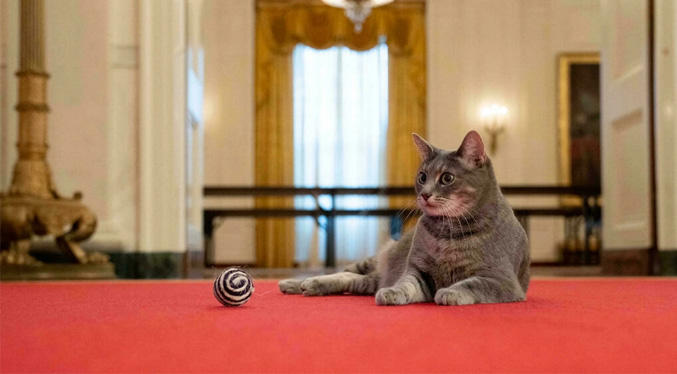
(363,267)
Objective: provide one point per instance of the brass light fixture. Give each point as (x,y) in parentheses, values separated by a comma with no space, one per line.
(32,206)
(494,118)
(357,10)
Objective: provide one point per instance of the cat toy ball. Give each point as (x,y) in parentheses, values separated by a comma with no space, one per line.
(233,287)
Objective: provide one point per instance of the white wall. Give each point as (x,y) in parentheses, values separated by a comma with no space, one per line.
(504,51)
(228,31)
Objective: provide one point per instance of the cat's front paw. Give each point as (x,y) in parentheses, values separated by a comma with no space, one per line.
(290,286)
(390,296)
(447,296)
(313,287)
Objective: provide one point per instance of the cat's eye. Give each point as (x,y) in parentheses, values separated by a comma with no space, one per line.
(422,178)
(446,179)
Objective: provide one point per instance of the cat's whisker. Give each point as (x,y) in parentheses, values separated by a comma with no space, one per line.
(451,225)
(470,212)
(448,215)
(465,219)
(406,208)
(473,218)
(459,222)
(443,208)
(412,208)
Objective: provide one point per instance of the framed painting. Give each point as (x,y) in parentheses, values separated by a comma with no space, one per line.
(579,114)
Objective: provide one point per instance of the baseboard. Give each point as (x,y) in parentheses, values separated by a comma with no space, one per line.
(626,262)
(154,265)
(129,265)
(668,261)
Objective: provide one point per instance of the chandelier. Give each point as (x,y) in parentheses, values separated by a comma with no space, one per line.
(357,10)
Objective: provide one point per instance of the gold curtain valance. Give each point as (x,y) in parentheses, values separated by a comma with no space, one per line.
(284,24)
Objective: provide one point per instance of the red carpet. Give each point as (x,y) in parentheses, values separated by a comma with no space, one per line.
(626,325)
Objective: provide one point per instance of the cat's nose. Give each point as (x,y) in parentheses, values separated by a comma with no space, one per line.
(425,196)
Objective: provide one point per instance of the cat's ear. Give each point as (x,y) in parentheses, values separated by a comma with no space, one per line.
(424,148)
(472,149)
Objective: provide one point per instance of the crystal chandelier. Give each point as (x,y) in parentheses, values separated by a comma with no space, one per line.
(357,10)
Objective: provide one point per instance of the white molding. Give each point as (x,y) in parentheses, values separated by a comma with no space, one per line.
(119,229)
(194,125)
(162,116)
(666,122)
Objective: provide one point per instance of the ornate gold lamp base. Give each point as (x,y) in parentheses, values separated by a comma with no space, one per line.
(67,220)
(32,207)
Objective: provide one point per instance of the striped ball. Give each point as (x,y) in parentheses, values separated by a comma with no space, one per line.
(233,287)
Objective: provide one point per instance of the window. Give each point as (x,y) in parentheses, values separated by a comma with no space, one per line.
(340,122)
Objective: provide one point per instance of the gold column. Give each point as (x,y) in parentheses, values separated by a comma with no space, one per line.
(31,173)
(32,206)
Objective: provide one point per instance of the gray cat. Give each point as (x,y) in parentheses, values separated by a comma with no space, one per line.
(467,248)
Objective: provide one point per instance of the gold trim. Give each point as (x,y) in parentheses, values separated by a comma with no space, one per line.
(564,61)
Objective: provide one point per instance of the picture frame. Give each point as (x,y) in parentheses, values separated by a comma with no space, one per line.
(579,120)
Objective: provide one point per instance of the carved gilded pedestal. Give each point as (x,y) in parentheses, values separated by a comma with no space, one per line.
(32,207)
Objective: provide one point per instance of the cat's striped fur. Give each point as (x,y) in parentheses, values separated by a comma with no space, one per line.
(467,248)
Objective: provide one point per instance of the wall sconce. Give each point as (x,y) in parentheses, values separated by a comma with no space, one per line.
(494,118)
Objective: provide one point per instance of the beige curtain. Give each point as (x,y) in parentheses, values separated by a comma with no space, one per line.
(280,25)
